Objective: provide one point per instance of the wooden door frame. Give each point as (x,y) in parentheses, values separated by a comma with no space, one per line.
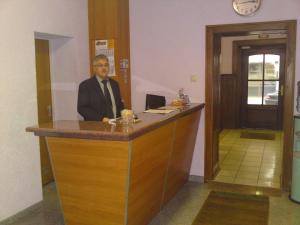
(237,67)
(42,70)
(211,89)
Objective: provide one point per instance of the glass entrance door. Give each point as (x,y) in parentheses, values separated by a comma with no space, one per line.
(263,76)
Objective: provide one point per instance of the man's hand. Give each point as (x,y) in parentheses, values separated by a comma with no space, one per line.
(105,120)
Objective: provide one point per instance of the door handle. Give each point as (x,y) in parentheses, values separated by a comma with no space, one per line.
(281,90)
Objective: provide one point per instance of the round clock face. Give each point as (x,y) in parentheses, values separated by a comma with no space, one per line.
(246,7)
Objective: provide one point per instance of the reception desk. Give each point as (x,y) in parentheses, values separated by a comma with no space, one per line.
(120,174)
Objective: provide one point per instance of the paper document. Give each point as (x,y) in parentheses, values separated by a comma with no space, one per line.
(170,107)
(159,111)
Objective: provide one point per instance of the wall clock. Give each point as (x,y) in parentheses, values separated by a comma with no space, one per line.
(246,7)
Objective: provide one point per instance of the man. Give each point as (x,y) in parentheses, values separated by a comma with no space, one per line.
(99,98)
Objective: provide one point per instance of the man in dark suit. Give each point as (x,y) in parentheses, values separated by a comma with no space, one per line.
(99,97)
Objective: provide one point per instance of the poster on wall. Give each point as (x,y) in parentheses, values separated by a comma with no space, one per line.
(107,47)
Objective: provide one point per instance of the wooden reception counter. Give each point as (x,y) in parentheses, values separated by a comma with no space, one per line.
(120,174)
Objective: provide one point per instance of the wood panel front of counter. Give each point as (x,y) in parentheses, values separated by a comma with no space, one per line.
(109,182)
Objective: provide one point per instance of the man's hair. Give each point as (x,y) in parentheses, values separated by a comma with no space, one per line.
(98,57)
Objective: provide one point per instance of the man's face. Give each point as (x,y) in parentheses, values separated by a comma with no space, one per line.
(101,68)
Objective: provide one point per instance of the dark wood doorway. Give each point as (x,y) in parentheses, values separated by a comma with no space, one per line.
(212,90)
(263,69)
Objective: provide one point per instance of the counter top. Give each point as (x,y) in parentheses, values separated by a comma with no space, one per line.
(104,131)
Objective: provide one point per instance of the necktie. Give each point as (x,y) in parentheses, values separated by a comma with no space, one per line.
(106,92)
(108,98)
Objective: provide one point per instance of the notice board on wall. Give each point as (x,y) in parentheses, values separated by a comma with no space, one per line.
(107,47)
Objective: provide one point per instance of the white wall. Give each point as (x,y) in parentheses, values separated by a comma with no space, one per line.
(20,179)
(168,46)
(67,72)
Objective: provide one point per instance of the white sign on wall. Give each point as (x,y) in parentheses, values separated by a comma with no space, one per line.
(107,47)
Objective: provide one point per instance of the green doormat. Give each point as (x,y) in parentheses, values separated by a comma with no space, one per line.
(222,208)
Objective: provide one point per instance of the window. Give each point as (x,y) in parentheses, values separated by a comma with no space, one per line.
(263,79)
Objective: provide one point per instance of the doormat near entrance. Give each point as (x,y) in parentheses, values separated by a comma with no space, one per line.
(257,135)
(224,208)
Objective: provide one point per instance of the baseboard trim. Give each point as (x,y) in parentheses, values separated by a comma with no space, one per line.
(19,215)
(195,178)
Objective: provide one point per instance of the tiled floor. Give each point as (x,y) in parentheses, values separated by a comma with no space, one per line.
(180,211)
(250,161)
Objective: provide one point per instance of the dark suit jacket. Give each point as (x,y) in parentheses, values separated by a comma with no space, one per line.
(92,105)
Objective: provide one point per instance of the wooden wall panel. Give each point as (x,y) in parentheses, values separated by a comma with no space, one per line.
(181,157)
(109,19)
(149,162)
(91,179)
(263,119)
(228,101)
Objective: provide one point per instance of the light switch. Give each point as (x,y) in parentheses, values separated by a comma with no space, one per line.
(194,78)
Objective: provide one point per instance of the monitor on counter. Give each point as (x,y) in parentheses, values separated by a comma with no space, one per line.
(155,101)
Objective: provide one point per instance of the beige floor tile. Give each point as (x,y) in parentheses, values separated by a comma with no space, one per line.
(221,159)
(257,145)
(235,157)
(274,144)
(223,155)
(238,148)
(255,154)
(247,175)
(225,146)
(271,156)
(231,162)
(270,170)
(269,165)
(275,179)
(245,181)
(249,168)
(268,184)
(229,167)
(242,143)
(252,158)
(240,153)
(256,148)
(226,143)
(277,161)
(237,151)
(224,179)
(272,153)
(247,163)
(228,140)
(223,151)
(227,173)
